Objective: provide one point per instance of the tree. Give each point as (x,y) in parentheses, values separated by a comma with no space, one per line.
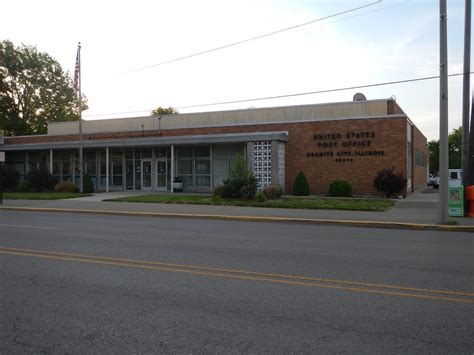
(454,148)
(301,186)
(34,90)
(164,111)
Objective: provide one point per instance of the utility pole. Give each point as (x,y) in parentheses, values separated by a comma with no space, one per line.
(443,114)
(466,167)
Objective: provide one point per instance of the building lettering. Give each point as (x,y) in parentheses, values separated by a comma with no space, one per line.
(347,140)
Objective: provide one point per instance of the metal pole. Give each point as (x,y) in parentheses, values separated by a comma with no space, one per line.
(465,91)
(107,169)
(443,115)
(172,168)
(81,185)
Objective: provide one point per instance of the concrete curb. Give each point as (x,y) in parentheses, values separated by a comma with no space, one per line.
(353,223)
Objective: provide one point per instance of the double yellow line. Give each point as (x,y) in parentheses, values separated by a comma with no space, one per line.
(353,286)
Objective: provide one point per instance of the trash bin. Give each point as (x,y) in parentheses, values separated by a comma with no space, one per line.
(470,198)
(178,184)
(456,201)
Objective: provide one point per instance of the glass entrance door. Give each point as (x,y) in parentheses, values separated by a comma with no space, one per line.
(146,174)
(161,174)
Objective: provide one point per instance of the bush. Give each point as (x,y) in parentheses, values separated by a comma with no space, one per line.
(41,180)
(9,178)
(272,192)
(260,197)
(241,184)
(66,186)
(340,188)
(389,182)
(223,191)
(24,186)
(301,187)
(87,184)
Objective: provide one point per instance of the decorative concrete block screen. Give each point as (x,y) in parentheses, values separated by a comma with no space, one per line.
(281,164)
(262,164)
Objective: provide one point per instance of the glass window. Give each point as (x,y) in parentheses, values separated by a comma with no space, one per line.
(117,167)
(187,181)
(203,181)
(129,153)
(184,152)
(117,180)
(202,152)
(203,166)
(236,149)
(146,153)
(185,167)
(221,167)
(161,152)
(221,151)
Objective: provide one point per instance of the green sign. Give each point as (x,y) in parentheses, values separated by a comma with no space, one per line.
(456,201)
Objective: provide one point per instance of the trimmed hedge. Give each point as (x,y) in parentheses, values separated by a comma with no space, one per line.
(301,187)
(340,188)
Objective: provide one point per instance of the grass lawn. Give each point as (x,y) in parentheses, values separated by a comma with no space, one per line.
(353,204)
(41,195)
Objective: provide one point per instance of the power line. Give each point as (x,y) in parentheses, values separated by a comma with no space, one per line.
(255,38)
(320,91)
(290,95)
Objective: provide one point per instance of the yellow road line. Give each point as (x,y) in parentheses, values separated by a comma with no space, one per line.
(239,277)
(237,271)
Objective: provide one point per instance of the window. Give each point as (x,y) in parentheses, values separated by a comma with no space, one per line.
(193,165)
(224,156)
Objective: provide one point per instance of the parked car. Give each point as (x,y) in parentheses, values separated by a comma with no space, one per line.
(429,181)
(454,178)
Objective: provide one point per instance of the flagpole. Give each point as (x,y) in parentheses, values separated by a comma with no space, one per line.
(81,175)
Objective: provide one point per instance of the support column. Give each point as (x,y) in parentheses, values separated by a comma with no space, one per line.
(275,165)
(27,163)
(249,156)
(172,169)
(51,161)
(107,169)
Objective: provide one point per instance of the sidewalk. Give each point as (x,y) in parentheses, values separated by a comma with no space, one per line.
(417,211)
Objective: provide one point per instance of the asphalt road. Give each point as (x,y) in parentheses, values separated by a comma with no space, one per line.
(80,283)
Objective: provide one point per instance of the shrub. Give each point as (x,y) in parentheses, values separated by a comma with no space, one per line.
(389,182)
(223,191)
(340,188)
(260,197)
(87,184)
(66,186)
(24,186)
(9,178)
(241,183)
(41,180)
(272,192)
(301,187)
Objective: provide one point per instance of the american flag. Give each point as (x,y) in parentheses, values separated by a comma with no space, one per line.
(77,70)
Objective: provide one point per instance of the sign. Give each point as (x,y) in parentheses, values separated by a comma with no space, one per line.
(455,201)
(2,157)
(345,147)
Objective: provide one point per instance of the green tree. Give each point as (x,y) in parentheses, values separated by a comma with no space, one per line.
(34,90)
(433,148)
(164,111)
(454,148)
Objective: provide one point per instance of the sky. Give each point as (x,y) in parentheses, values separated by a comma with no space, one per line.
(386,41)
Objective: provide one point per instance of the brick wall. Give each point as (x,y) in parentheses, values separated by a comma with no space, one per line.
(419,173)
